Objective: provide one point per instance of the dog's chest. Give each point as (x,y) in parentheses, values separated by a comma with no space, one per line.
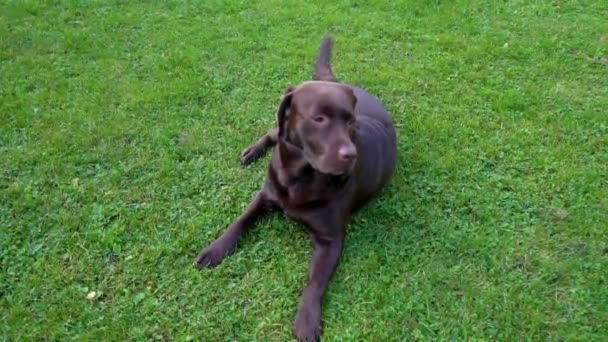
(294,194)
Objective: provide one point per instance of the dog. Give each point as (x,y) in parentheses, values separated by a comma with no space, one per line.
(336,149)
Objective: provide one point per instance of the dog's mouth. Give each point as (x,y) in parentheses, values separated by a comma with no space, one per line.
(322,164)
(337,169)
(338,173)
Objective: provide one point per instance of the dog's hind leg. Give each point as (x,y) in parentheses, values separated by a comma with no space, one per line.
(322,67)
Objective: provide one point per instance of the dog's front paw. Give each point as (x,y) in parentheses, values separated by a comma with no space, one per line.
(250,154)
(307,326)
(211,256)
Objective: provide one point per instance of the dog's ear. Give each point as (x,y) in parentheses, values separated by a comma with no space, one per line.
(352,97)
(284,111)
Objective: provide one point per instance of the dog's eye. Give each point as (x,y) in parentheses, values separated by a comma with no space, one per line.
(319,119)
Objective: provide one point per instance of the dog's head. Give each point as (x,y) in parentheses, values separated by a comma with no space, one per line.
(317,118)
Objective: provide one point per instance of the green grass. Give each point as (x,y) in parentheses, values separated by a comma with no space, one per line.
(120,129)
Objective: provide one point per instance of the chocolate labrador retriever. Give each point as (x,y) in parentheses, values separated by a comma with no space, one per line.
(336,150)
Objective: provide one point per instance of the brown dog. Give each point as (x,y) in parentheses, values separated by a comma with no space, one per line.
(336,150)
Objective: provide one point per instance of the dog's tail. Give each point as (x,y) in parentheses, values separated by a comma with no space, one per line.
(322,68)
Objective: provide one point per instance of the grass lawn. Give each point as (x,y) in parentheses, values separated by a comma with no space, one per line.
(121,123)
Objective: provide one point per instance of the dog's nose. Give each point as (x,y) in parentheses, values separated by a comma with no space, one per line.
(347,152)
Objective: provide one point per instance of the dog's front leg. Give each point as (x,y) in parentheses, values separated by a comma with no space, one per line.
(325,257)
(220,248)
(257,149)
